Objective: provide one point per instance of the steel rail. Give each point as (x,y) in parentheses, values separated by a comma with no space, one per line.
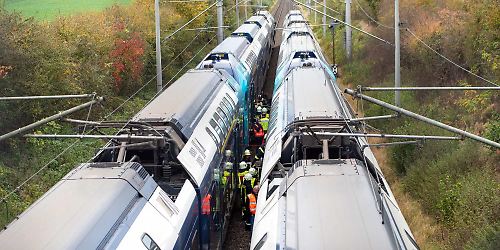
(423,118)
(12,98)
(49,119)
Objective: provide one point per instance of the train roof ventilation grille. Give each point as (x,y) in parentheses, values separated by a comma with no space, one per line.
(140,170)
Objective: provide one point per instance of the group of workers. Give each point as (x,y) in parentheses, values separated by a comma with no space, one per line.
(260,122)
(250,166)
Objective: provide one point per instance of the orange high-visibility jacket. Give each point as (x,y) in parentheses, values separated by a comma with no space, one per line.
(252,204)
(205,205)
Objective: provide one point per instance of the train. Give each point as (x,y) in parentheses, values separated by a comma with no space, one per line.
(321,186)
(159,182)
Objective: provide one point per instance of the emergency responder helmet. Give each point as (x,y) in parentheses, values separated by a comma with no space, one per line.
(228,153)
(247,153)
(228,166)
(264,110)
(243,165)
(259,109)
(247,177)
(252,171)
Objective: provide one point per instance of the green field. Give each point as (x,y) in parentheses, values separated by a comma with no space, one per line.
(49,9)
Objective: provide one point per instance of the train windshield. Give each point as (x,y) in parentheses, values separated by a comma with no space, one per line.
(304,55)
(217,57)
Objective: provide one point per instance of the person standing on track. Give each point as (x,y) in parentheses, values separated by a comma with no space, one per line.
(264,120)
(251,204)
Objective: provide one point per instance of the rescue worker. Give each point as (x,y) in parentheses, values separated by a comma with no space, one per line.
(264,121)
(249,181)
(258,133)
(227,180)
(259,154)
(205,216)
(259,112)
(242,171)
(251,204)
(247,156)
(253,172)
(264,111)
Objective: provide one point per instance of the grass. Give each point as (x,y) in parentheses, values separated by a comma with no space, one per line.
(50,9)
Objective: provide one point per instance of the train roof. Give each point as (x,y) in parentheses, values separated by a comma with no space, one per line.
(337,208)
(313,94)
(296,18)
(294,12)
(303,42)
(182,103)
(266,14)
(260,19)
(82,210)
(233,44)
(251,29)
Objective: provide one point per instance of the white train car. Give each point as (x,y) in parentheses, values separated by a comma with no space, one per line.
(319,189)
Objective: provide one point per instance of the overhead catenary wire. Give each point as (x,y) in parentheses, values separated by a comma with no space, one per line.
(18,187)
(190,21)
(371,18)
(327,7)
(449,60)
(354,27)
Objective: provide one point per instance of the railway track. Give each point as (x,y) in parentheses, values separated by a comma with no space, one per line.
(279,13)
(237,237)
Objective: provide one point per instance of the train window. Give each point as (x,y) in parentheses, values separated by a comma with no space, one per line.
(226,106)
(221,121)
(217,129)
(149,243)
(226,109)
(211,134)
(223,114)
(231,100)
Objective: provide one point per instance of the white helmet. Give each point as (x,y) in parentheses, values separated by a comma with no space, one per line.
(264,110)
(252,171)
(247,152)
(259,109)
(228,153)
(247,177)
(243,165)
(229,165)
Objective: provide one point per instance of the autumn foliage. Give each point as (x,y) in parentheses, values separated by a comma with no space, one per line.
(127,57)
